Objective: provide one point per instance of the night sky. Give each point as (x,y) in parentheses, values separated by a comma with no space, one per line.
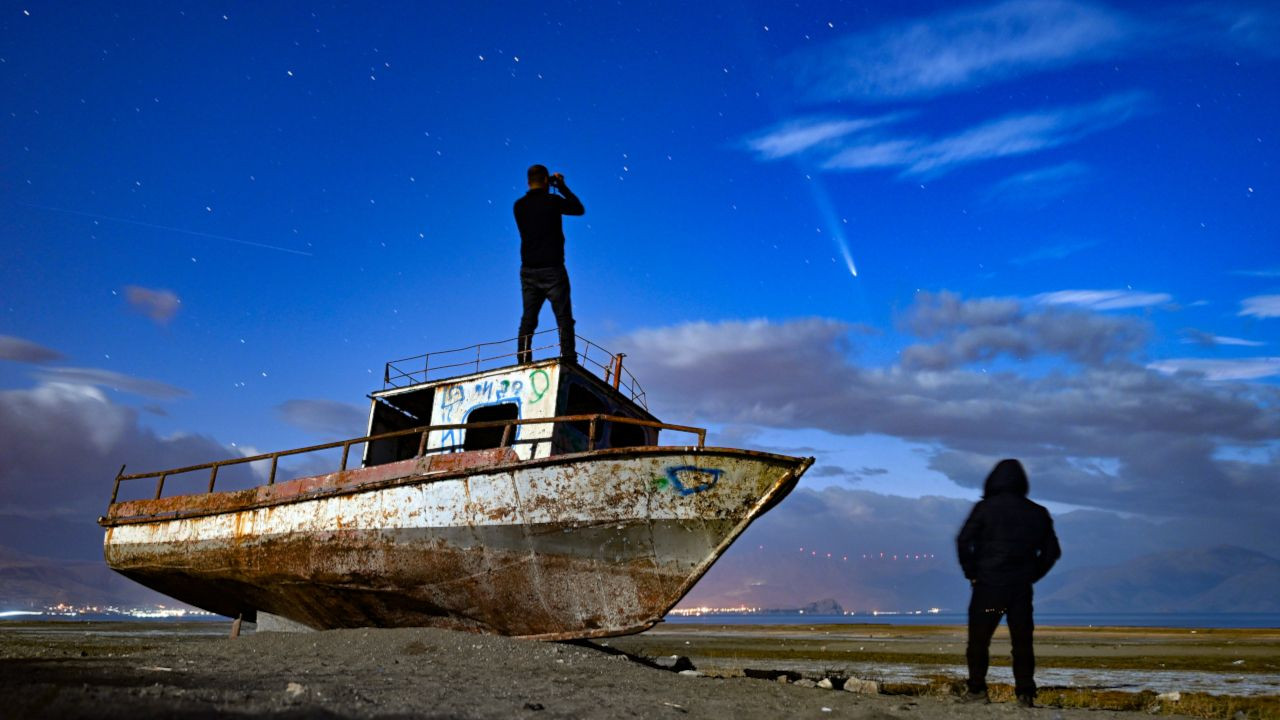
(907,238)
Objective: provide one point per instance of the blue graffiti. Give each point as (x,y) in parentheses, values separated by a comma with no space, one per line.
(690,479)
(500,390)
(450,399)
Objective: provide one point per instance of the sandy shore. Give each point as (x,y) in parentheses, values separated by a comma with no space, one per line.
(1242,662)
(129,670)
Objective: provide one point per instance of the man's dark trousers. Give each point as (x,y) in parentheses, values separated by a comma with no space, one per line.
(537,285)
(986,606)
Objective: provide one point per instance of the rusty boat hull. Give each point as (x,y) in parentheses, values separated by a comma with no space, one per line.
(578,545)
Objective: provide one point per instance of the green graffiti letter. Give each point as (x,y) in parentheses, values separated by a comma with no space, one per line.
(538,392)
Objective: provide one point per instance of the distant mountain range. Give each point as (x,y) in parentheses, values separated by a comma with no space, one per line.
(29,582)
(1218,579)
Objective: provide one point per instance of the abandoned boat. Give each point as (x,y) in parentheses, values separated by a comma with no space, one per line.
(521,499)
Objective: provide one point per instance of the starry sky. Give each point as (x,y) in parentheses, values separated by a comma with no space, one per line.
(906,238)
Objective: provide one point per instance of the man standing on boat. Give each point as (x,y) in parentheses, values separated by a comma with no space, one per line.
(1005,546)
(542,272)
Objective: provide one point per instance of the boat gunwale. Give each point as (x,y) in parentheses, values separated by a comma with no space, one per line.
(413,478)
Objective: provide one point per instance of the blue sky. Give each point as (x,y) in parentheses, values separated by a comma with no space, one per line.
(908,238)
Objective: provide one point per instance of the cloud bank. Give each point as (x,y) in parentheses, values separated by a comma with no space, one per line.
(1065,392)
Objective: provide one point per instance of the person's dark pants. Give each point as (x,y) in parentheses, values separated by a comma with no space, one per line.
(537,285)
(986,606)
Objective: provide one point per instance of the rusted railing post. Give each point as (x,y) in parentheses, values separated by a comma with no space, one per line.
(275,460)
(160,484)
(702,438)
(213,477)
(116,490)
(422,444)
(346,450)
(591,434)
(617,369)
(506,435)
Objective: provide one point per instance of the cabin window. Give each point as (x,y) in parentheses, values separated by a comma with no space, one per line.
(398,412)
(489,437)
(627,435)
(582,401)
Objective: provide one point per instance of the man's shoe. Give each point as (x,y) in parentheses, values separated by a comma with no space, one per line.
(1026,701)
(975,697)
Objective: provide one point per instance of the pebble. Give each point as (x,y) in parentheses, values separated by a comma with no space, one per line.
(295,689)
(675,663)
(1174,696)
(806,683)
(826,684)
(865,687)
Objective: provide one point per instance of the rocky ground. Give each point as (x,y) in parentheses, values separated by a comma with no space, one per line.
(119,671)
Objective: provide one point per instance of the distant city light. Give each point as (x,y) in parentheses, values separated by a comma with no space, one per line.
(152,612)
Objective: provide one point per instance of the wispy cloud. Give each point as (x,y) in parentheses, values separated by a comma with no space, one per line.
(1262,272)
(796,136)
(1054,252)
(954,51)
(112,380)
(1041,183)
(1262,306)
(19,350)
(1211,369)
(1104,299)
(1254,27)
(1199,337)
(159,305)
(324,417)
(1011,135)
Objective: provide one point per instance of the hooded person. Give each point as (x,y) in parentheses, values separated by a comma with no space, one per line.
(1005,546)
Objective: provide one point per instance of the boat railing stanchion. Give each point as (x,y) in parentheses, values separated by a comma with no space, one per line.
(275,460)
(422,443)
(160,484)
(346,450)
(591,434)
(213,476)
(116,490)
(506,435)
(617,369)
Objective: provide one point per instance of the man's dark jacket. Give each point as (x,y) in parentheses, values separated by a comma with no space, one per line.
(1007,540)
(538,215)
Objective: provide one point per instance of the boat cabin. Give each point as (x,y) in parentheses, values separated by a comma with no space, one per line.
(529,392)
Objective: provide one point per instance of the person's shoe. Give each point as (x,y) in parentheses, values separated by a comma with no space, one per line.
(975,697)
(1026,701)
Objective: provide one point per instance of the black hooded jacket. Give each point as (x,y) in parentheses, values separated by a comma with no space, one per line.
(1007,539)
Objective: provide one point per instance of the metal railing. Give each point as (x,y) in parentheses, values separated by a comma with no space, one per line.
(483,356)
(425,431)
